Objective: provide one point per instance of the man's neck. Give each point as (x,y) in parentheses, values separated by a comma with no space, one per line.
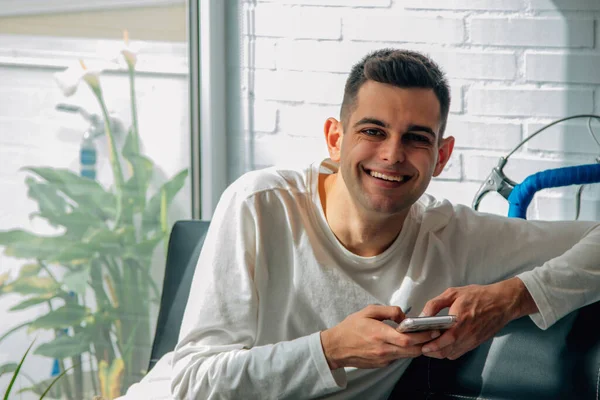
(361,233)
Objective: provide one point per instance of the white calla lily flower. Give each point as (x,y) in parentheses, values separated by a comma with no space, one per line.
(129,52)
(68,80)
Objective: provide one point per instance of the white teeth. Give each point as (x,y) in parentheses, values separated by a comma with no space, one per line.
(386,177)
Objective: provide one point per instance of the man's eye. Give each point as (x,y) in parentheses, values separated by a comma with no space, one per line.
(372,132)
(418,138)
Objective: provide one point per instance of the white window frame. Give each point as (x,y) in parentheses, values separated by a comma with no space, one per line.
(28,7)
(208,105)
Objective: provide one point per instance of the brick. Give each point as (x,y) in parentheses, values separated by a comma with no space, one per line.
(265,117)
(476,64)
(305,120)
(304,55)
(529,102)
(287,150)
(565,5)
(297,22)
(480,5)
(453,169)
(264,57)
(404,28)
(309,87)
(456,95)
(566,137)
(541,32)
(490,135)
(590,192)
(334,3)
(478,167)
(464,192)
(572,68)
(560,208)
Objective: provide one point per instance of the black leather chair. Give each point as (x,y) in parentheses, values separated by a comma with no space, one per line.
(520,362)
(185,243)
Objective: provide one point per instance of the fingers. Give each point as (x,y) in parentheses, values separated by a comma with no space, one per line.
(435,305)
(381,313)
(443,347)
(404,352)
(401,339)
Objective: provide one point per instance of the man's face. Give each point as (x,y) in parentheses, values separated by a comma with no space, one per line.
(390,147)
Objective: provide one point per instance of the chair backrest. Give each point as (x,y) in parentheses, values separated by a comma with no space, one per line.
(185,243)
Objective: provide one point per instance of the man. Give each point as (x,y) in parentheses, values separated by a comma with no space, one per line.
(304,273)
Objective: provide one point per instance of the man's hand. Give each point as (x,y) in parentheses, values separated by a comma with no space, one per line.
(481,311)
(363,341)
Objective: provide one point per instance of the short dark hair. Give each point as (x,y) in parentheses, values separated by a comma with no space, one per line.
(402,68)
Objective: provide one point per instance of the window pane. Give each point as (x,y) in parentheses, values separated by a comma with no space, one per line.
(86,211)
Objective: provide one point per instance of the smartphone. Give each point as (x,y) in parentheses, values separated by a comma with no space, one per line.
(426,323)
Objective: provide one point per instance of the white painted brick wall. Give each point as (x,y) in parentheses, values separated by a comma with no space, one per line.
(520,102)
(562,68)
(404,28)
(535,32)
(568,137)
(513,65)
(466,5)
(300,23)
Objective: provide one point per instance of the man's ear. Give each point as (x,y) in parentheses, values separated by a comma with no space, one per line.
(333,136)
(444,153)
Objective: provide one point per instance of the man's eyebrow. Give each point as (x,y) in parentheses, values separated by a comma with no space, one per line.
(371,120)
(420,128)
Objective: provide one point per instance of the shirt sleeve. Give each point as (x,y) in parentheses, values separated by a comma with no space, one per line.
(216,357)
(558,261)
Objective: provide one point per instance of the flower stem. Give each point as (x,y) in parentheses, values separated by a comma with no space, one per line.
(134,119)
(113,156)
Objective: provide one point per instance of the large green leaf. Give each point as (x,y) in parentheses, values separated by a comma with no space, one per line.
(33,301)
(77,222)
(8,368)
(108,241)
(63,317)
(77,279)
(14,236)
(22,244)
(151,215)
(31,285)
(65,346)
(74,253)
(143,250)
(86,192)
(31,269)
(49,200)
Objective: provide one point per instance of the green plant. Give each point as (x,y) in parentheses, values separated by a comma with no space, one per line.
(94,275)
(17,368)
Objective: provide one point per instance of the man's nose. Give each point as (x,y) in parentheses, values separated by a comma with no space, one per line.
(393,151)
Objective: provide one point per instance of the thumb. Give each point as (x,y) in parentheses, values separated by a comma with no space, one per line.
(437,304)
(381,313)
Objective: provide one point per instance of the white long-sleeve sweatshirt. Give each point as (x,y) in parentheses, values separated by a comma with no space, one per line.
(272,275)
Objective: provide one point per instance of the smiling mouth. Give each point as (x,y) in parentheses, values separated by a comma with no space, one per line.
(388,178)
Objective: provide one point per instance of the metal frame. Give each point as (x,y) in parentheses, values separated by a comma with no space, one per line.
(208,105)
